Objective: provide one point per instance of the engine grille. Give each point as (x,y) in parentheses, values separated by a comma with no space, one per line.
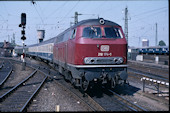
(103,60)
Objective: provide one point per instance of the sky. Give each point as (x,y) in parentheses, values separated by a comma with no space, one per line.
(56,16)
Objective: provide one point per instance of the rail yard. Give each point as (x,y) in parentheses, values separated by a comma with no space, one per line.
(50,92)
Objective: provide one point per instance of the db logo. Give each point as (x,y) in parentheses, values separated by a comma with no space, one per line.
(104,48)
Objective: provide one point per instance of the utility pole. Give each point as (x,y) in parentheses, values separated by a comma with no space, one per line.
(126,24)
(156,37)
(126,28)
(13,40)
(8,38)
(139,42)
(76,17)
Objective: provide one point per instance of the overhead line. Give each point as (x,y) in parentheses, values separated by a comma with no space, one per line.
(57,9)
(146,17)
(38,14)
(69,12)
(149,11)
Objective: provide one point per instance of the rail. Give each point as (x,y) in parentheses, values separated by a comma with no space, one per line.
(15,87)
(130,105)
(18,90)
(6,76)
(26,104)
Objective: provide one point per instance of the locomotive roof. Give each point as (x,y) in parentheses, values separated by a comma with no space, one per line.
(51,40)
(90,22)
(95,22)
(83,22)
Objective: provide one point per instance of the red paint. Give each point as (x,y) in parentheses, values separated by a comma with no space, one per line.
(73,51)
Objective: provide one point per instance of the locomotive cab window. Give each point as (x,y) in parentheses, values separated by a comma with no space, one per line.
(112,32)
(92,32)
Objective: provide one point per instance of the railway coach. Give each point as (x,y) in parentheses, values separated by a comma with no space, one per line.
(160,50)
(93,50)
(43,50)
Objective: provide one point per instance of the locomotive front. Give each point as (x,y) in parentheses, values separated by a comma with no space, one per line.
(100,53)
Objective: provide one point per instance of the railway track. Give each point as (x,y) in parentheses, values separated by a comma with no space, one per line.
(1,64)
(130,105)
(121,104)
(148,74)
(18,97)
(142,70)
(124,105)
(97,106)
(84,98)
(5,71)
(155,85)
(112,101)
(162,58)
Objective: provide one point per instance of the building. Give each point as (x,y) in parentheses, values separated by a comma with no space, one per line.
(6,49)
(145,42)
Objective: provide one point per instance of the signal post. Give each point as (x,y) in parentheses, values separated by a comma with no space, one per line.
(23,23)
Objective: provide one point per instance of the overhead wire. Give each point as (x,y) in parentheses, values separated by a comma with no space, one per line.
(57,10)
(70,10)
(154,13)
(39,14)
(150,11)
(64,17)
(144,22)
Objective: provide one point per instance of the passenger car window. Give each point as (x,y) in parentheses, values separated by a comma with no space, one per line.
(112,32)
(92,32)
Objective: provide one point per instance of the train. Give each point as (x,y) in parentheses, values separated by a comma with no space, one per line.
(159,50)
(91,51)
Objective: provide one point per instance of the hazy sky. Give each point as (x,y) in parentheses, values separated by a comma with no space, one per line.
(55,16)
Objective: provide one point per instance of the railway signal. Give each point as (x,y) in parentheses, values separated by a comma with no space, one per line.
(23,32)
(23,19)
(23,24)
(23,37)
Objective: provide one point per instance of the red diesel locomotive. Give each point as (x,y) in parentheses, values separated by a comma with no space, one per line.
(93,50)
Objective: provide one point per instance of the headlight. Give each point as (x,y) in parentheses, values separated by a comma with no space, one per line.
(87,60)
(118,60)
(121,60)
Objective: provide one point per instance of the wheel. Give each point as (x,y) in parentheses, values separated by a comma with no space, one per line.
(67,76)
(113,83)
(85,84)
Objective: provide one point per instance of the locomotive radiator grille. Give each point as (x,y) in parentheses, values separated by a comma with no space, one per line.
(103,60)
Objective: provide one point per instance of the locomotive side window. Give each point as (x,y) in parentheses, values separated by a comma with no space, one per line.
(92,32)
(111,32)
(73,34)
